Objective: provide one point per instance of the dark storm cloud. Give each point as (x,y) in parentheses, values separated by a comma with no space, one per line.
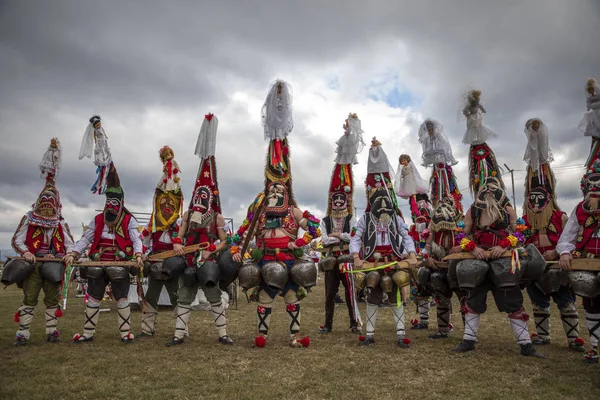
(151,69)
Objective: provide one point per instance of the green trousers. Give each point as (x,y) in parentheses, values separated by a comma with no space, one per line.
(155,287)
(34,283)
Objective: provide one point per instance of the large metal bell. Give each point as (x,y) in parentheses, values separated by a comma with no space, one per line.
(228,269)
(275,274)
(372,279)
(15,271)
(249,275)
(401,278)
(52,271)
(209,274)
(501,276)
(533,264)
(328,263)
(386,283)
(360,281)
(585,283)
(552,280)
(470,273)
(423,276)
(439,282)
(304,273)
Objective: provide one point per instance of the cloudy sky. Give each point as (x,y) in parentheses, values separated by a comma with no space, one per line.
(152,69)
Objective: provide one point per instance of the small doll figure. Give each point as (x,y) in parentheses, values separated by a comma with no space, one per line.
(169,182)
(590,124)
(51,161)
(351,143)
(408,180)
(95,141)
(435,144)
(477,132)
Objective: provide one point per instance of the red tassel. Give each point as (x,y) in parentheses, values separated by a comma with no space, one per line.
(58,313)
(305,341)
(361,338)
(17,317)
(414,322)
(406,340)
(260,341)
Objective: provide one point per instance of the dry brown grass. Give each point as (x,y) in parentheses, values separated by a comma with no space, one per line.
(333,367)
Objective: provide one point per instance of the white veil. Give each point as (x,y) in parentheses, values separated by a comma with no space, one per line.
(436,147)
(207,138)
(351,143)
(87,145)
(276,112)
(410,184)
(538,150)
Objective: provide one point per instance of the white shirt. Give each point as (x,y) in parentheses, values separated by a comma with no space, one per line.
(88,236)
(338,226)
(383,237)
(568,237)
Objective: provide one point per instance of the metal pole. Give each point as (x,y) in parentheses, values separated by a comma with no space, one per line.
(512,178)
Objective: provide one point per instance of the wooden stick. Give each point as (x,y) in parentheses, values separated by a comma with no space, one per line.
(334,248)
(37,259)
(252,226)
(104,263)
(83,263)
(468,256)
(397,265)
(171,253)
(580,264)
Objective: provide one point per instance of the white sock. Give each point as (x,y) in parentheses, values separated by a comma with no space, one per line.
(472,321)
(371,319)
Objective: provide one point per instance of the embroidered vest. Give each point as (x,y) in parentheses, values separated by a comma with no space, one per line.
(553,231)
(121,231)
(36,236)
(369,238)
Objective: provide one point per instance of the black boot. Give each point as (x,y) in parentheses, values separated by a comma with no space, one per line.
(439,335)
(324,329)
(225,340)
(369,341)
(174,341)
(464,346)
(528,350)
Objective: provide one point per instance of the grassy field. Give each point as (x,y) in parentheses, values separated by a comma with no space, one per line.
(333,367)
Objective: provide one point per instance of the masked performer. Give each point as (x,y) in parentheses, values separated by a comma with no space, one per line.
(95,142)
(489,224)
(580,239)
(435,144)
(203,225)
(335,227)
(421,211)
(158,235)
(274,219)
(42,232)
(543,222)
(381,236)
(477,132)
(111,236)
(441,240)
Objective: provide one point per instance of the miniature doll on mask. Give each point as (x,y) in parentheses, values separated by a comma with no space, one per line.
(590,124)
(408,179)
(435,144)
(95,142)
(51,161)
(477,132)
